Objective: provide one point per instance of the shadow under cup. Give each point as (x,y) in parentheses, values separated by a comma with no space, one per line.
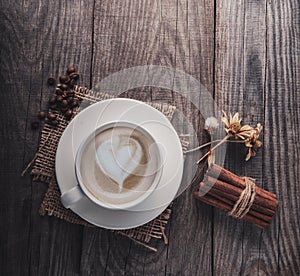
(118,166)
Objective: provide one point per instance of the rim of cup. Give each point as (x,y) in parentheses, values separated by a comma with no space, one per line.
(89,138)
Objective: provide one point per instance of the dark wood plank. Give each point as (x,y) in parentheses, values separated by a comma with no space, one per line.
(261,80)
(240,75)
(18,67)
(38,39)
(230,25)
(281,155)
(190,227)
(253,104)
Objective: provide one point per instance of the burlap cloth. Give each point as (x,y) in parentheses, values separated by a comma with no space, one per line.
(44,170)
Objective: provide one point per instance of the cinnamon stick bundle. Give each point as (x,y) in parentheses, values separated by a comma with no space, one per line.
(223,189)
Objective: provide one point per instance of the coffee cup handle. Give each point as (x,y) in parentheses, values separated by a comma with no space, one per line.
(71,196)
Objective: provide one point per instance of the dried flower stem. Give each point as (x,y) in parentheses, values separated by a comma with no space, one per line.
(216,146)
(202,146)
(211,142)
(242,133)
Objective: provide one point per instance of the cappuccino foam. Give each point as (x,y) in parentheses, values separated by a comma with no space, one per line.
(118,165)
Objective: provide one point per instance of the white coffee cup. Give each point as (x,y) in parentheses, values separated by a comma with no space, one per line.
(117,166)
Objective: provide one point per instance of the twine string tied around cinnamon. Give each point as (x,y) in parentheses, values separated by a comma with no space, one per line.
(245,201)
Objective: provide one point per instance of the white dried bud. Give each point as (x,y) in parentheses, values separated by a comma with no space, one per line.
(211,124)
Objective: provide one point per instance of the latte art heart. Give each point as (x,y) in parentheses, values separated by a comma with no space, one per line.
(118,158)
(119,165)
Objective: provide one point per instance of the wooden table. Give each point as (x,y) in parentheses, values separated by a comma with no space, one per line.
(247,55)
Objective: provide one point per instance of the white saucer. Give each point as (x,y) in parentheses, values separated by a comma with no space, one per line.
(163,132)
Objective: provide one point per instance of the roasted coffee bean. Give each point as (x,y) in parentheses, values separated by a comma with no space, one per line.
(52,99)
(51,116)
(69,113)
(71,70)
(35,125)
(64,86)
(72,83)
(63,79)
(53,123)
(74,76)
(65,95)
(64,103)
(42,115)
(59,85)
(74,104)
(70,99)
(71,93)
(53,106)
(58,91)
(59,99)
(51,80)
(64,109)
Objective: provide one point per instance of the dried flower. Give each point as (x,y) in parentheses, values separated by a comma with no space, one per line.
(211,124)
(252,143)
(242,134)
(233,126)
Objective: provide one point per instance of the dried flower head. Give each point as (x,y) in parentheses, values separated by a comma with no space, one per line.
(244,134)
(234,128)
(211,124)
(252,143)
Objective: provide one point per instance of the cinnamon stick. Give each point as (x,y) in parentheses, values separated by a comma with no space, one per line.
(223,189)
(224,206)
(229,177)
(234,198)
(259,199)
(226,200)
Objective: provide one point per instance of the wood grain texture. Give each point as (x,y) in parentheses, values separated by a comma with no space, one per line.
(34,43)
(256,77)
(189,234)
(240,75)
(246,53)
(281,157)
